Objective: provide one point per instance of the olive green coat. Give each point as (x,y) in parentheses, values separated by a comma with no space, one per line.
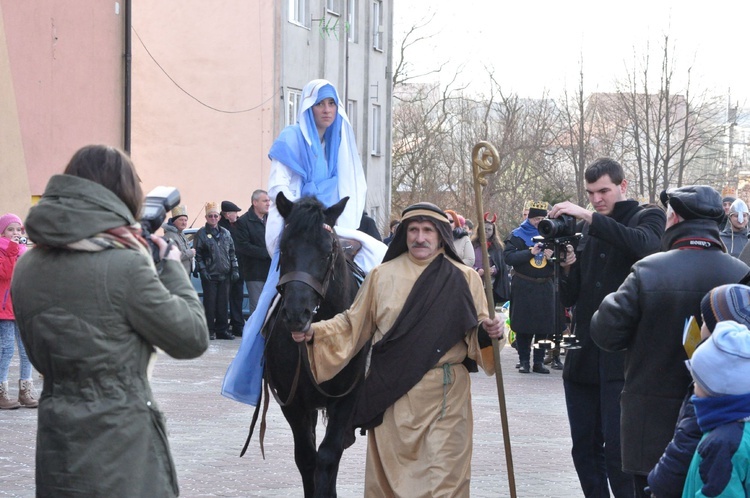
(90,322)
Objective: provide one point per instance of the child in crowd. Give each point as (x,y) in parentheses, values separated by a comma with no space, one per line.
(11,248)
(721,370)
(667,479)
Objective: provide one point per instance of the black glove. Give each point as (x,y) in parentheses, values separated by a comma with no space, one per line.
(204,274)
(235,275)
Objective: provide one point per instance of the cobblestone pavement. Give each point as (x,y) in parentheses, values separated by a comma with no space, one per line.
(207,432)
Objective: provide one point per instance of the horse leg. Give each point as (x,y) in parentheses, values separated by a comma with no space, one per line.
(332,447)
(303,422)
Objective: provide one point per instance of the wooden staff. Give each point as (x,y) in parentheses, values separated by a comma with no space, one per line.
(484,161)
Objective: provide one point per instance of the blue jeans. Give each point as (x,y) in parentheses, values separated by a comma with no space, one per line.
(9,335)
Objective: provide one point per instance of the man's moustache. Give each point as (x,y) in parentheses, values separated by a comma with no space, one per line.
(418,245)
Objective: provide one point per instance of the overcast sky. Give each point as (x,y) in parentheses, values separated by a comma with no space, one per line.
(533,45)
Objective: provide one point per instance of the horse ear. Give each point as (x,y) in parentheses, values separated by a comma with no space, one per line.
(283,204)
(332,213)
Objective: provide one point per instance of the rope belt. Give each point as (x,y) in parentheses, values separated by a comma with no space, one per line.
(447,380)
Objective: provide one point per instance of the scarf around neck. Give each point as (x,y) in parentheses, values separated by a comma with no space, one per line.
(715,411)
(526,232)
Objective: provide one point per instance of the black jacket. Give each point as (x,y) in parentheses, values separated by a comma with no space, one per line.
(605,254)
(214,252)
(646,318)
(250,245)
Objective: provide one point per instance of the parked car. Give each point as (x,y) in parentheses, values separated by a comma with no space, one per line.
(198,286)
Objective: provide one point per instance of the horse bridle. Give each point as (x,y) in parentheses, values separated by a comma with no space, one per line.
(320,288)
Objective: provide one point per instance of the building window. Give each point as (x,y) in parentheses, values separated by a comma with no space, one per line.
(298,12)
(351,112)
(375,147)
(351,21)
(332,6)
(377,24)
(293,99)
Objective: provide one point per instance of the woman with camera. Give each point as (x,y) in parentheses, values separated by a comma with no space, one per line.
(532,308)
(92,310)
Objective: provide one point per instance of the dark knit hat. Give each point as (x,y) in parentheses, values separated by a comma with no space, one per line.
(726,302)
(728,199)
(694,202)
(229,207)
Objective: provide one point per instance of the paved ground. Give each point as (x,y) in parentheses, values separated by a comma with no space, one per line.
(207,432)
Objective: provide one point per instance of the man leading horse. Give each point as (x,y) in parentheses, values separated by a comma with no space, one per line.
(425,312)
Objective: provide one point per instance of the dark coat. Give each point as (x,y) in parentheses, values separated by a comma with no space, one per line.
(604,255)
(667,478)
(214,252)
(90,322)
(646,318)
(532,307)
(367,225)
(250,246)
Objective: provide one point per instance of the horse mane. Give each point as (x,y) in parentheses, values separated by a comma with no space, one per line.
(305,219)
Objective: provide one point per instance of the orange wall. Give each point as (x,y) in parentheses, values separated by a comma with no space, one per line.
(65,71)
(219,58)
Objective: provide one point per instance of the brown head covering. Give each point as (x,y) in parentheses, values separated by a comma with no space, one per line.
(422,211)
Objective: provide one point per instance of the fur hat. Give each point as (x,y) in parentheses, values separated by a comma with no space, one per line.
(721,365)
(229,207)
(212,207)
(537,209)
(179,211)
(694,202)
(726,302)
(7,219)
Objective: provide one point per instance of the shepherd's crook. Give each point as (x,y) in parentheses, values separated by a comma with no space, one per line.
(484,160)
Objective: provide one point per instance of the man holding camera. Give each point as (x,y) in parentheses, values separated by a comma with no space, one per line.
(532,310)
(615,236)
(216,264)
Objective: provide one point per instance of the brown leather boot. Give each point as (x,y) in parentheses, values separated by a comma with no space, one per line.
(26,394)
(5,402)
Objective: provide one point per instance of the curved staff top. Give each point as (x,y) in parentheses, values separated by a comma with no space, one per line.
(303,166)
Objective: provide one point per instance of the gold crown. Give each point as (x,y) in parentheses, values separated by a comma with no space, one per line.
(539,205)
(179,211)
(212,207)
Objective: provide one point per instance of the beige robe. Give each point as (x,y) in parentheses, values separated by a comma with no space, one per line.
(423,447)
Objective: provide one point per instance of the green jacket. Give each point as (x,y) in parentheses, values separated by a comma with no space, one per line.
(90,322)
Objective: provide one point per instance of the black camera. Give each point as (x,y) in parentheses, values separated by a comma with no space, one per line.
(157,204)
(555,228)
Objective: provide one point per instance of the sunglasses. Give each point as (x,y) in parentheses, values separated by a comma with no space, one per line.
(212,216)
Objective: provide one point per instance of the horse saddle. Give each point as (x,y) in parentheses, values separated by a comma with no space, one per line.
(350,247)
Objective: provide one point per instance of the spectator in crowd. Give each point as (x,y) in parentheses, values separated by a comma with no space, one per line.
(532,310)
(734,235)
(316,156)
(721,370)
(216,264)
(12,246)
(726,203)
(469,226)
(229,214)
(615,236)
(173,230)
(495,248)
(392,227)
(92,310)
(250,246)
(367,225)
(415,402)
(461,240)
(667,479)
(646,317)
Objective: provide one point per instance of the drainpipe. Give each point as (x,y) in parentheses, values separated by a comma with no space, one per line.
(128,74)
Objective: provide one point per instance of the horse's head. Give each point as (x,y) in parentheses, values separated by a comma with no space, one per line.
(309,250)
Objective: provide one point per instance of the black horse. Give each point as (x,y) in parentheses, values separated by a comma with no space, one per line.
(315,283)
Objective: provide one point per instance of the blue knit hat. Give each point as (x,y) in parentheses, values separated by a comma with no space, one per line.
(726,302)
(721,365)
